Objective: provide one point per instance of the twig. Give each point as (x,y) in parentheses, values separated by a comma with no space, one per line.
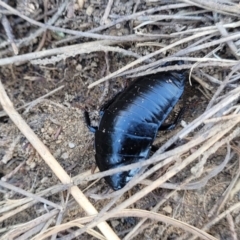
(201,82)
(51,161)
(25,41)
(117,196)
(3,113)
(33,196)
(230,44)
(229,189)
(31,232)
(29,225)
(198,184)
(207,45)
(13,172)
(215,81)
(106,87)
(68,51)
(137,213)
(69,31)
(15,211)
(164,158)
(214,6)
(193,49)
(197,122)
(130,17)
(28,202)
(9,153)
(168,156)
(106,13)
(217,119)
(181,67)
(60,215)
(219,218)
(232,227)
(170,173)
(206,56)
(132,64)
(134,231)
(41,43)
(172,59)
(222,86)
(153,18)
(158,62)
(8,31)
(47,224)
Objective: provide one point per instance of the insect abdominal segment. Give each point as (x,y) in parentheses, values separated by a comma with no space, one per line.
(129,124)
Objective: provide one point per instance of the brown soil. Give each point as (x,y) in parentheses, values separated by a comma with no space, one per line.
(58,120)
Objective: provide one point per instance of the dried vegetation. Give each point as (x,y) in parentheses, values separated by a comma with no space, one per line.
(58,57)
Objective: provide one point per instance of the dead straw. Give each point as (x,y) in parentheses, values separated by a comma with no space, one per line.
(51,161)
(170,173)
(217,133)
(33,196)
(127,213)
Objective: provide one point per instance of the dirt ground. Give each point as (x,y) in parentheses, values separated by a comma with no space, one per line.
(59,122)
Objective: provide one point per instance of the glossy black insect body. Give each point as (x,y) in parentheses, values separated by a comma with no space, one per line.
(129,124)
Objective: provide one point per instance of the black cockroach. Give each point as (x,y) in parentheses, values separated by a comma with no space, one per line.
(130,122)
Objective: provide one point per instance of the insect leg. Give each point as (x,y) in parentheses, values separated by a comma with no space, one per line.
(88,122)
(154,148)
(171,126)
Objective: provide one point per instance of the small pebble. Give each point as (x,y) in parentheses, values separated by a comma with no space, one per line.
(89,11)
(50,130)
(71,145)
(65,155)
(183,124)
(93,64)
(79,67)
(118,26)
(32,165)
(45,179)
(80,3)
(115,223)
(57,153)
(167,209)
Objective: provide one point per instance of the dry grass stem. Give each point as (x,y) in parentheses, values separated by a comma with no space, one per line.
(106,13)
(32,103)
(197,184)
(9,154)
(219,217)
(213,6)
(136,229)
(170,173)
(27,40)
(9,34)
(187,39)
(166,157)
(232,227)
(228,191)
(23,192)
(51,161)
(134,213)
(69,31)
(29,225)
(230,44)
(224,83)
(65,52)
(82,44)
